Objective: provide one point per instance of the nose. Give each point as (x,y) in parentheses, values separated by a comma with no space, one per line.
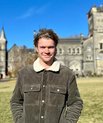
(46,50)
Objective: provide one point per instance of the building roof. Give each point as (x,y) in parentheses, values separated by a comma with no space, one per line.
(95,9)
(2,35)
(72,40)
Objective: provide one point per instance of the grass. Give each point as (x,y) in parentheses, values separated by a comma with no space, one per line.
(6,89)
(91,90)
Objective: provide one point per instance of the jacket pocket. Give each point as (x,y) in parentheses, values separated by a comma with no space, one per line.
(57,95)
(32,94)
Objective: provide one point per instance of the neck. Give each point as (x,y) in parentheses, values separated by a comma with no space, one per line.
(46,65)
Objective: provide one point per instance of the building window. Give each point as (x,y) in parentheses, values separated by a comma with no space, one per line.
(60,51)
(69,50)
(101,45)
(73,50)
(89,57)
(89,49)
(78,50)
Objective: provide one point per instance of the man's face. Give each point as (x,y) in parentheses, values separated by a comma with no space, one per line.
(46,50)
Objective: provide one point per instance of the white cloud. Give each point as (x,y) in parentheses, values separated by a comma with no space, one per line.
(34,11)
(41,9)
(27,14)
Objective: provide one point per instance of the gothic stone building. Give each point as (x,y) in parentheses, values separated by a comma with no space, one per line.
(93,46)
(84,55)
(18,57)
(70,53)
(3,54)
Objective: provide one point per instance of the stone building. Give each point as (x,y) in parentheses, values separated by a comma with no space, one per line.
(84,55)
(70,53)
(18,57)
(3,54)
(93,46)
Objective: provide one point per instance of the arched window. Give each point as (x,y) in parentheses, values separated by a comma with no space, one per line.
(69,50)
(101,45)
(73,50)
(89,57)
(60,51)
(78,50)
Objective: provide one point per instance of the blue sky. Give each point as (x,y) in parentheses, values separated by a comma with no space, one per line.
(21,17)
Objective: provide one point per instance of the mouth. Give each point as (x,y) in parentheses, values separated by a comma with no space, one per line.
(47,56)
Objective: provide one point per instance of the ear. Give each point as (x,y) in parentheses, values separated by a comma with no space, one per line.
(36,49)
(55,51)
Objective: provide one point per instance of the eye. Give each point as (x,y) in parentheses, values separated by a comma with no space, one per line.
(51,47)
(42,47)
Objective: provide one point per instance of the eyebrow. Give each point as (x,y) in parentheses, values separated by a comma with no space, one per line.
(47,46)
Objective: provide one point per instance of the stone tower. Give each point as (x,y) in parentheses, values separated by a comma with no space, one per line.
(3,54)
(95,20)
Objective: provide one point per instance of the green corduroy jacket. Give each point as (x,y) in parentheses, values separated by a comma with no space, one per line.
(46,97)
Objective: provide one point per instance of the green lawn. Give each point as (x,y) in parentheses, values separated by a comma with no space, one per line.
(6,89)
(91,90)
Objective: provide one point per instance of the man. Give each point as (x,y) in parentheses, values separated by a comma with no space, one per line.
(46,92)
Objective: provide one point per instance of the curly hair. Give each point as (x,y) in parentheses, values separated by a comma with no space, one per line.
(46,33)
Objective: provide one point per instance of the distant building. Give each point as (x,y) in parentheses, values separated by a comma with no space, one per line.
(93,46)
(84,55)
(3,54)
(70,53)
(19,57)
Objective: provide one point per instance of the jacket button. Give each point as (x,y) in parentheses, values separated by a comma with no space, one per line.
(43,86)
(42,117)
(43,101)
(58,90)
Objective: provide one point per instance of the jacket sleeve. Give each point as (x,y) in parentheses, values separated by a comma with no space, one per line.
(74,102)
(16,102)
